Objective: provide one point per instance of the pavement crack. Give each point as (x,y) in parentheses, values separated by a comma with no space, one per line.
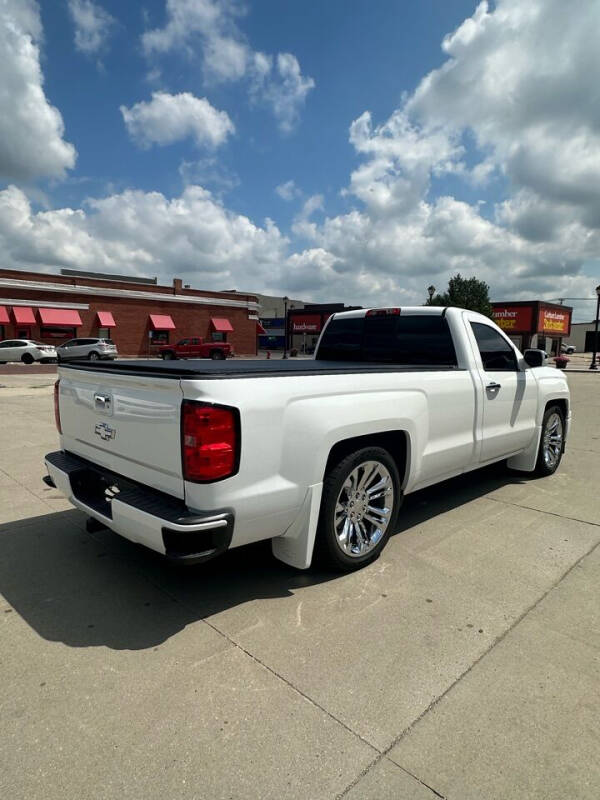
(487,651)
(543,511)
(374,763)
(267,667)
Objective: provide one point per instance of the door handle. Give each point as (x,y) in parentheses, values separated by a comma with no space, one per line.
(493,386)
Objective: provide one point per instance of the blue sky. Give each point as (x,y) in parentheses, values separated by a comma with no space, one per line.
(350,151)
(360,60)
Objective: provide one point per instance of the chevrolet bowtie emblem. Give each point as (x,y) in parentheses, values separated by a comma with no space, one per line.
(104,431)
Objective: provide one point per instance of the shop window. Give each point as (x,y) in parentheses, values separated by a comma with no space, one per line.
(218,336)
(2,334)
(23,333)
(104,333)
(159,337)
(57,333)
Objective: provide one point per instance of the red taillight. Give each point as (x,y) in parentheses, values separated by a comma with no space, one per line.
(382,312)
(209,441)
(56,406)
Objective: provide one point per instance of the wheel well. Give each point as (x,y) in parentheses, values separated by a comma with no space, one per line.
(395,442)
(562,404)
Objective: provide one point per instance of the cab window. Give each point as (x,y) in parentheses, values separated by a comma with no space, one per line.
(496,353)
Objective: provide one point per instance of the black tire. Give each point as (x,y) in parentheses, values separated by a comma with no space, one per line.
(27,358)
(93,356)
(329,553)
(168,356)
(551,450)
(217,355)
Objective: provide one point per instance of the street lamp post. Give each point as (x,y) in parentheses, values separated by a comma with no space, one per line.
(431,292)
(593,364)
(285,333)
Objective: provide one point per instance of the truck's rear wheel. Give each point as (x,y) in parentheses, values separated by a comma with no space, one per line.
(359,509)
(168,356)
(217,355)
(552,442)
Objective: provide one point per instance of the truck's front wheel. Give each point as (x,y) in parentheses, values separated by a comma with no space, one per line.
(361,499)
(552,442)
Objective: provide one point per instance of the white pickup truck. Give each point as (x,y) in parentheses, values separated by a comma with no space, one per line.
(192,458)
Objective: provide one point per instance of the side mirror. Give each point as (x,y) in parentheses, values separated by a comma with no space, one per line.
(534,358)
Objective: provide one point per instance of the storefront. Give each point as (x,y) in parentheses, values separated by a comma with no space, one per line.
(534,323)
(138,318)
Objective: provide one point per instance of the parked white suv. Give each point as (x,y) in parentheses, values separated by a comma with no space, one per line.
(87,349)
(27,351)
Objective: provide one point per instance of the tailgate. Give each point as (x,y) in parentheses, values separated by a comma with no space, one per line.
(127,424)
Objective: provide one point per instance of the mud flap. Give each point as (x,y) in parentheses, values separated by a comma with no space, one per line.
(295,547)
(527,459)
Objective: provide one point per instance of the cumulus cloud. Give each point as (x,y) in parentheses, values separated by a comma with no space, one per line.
(281,86)
(212,26)
(93,25)
(192,235)
(169,118)
(514,105)
(31,129)
(288,190)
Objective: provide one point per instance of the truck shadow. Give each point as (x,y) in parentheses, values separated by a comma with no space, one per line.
(101,590)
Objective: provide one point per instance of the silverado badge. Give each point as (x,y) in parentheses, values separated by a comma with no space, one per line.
(104,431)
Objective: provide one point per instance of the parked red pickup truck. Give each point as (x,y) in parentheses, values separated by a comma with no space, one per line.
(196,348)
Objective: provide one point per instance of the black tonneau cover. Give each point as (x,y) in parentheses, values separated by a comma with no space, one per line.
(194,369)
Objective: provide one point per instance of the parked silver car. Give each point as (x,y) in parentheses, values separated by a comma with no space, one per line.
(26,350)
(86,350)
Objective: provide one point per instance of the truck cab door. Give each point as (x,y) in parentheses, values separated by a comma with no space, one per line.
(508,392)
(195,347)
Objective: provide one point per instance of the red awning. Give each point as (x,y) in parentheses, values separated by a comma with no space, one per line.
(106,319)
(259,328)
(162,322)
(23,315)
(60,317)
(221,325)
(3,316)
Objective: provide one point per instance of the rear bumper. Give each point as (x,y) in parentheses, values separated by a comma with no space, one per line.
(141,514)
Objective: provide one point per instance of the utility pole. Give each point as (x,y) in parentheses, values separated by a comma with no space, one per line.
(285,334)
(593,364)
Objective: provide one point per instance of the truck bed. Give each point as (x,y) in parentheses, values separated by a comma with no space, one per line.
(204,369)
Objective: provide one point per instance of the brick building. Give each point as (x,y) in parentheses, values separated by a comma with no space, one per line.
(137,314)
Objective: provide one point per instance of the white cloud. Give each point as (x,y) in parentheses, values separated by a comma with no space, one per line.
(211,25)
(31,129)
(282,87)
(192,236)
(288,190)
(169,118)
(209,172)
(302,225)
(519,82)
(93,25)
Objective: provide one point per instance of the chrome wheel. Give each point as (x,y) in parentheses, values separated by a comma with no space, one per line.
(553,440)
(363,508)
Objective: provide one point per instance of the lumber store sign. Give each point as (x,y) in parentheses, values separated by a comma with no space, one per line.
(554,322)
(513,319)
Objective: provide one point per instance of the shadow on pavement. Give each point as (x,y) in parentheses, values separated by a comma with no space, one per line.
(102,590)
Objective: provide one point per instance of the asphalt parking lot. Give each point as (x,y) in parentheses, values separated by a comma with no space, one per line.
(464,663)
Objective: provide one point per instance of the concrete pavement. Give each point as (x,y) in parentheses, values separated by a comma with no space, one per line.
(463,664)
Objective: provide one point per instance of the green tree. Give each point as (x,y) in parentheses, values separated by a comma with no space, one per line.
(469,293)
